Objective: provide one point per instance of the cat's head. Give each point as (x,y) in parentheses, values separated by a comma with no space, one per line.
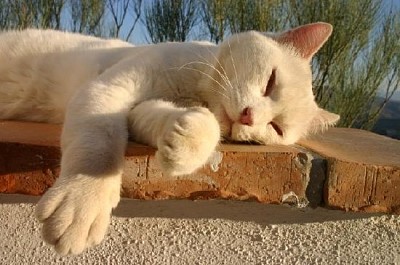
(264,84)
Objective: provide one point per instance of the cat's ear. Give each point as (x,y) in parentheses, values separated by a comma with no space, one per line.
(307,39)
(323,120)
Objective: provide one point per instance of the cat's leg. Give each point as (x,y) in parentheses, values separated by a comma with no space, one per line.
(185,137)
(76,211)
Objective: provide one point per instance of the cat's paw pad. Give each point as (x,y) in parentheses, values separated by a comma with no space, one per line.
(75,214)
(188,142)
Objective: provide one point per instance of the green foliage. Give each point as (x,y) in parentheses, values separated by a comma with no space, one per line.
(21,14)
(214,14)
(87,16)
(261,15)
(170,20)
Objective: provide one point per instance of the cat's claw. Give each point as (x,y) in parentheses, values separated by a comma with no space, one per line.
(188,143)
(76,212)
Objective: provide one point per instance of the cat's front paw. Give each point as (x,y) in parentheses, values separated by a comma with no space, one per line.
(76,212)
(187,144)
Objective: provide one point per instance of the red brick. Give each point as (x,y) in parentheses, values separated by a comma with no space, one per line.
(28,169)
(355,170)
(245,172)
(363,169)
(30,154)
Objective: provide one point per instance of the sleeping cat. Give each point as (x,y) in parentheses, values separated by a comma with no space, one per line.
(179,97)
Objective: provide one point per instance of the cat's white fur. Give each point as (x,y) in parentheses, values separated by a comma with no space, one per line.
(178,97)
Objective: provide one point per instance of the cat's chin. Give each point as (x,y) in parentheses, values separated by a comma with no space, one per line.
(237,132)
(262,134)
(234,131)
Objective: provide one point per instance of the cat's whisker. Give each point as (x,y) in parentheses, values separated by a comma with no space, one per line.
(223,77)
(223,69)
(204,73)
(212,78)
(233,63)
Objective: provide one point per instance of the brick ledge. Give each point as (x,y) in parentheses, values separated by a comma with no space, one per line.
(343,168)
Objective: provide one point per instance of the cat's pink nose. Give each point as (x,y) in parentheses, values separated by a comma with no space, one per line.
(246,117)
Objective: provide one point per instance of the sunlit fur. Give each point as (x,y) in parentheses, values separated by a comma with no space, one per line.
(245,72)
(181,98)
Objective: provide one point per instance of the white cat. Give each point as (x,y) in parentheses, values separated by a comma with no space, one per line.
(178,97)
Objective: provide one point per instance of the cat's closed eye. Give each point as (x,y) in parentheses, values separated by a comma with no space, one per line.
(271,84)
(276,127)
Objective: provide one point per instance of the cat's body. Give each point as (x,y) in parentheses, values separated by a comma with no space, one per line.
(253,87)
(54,65)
